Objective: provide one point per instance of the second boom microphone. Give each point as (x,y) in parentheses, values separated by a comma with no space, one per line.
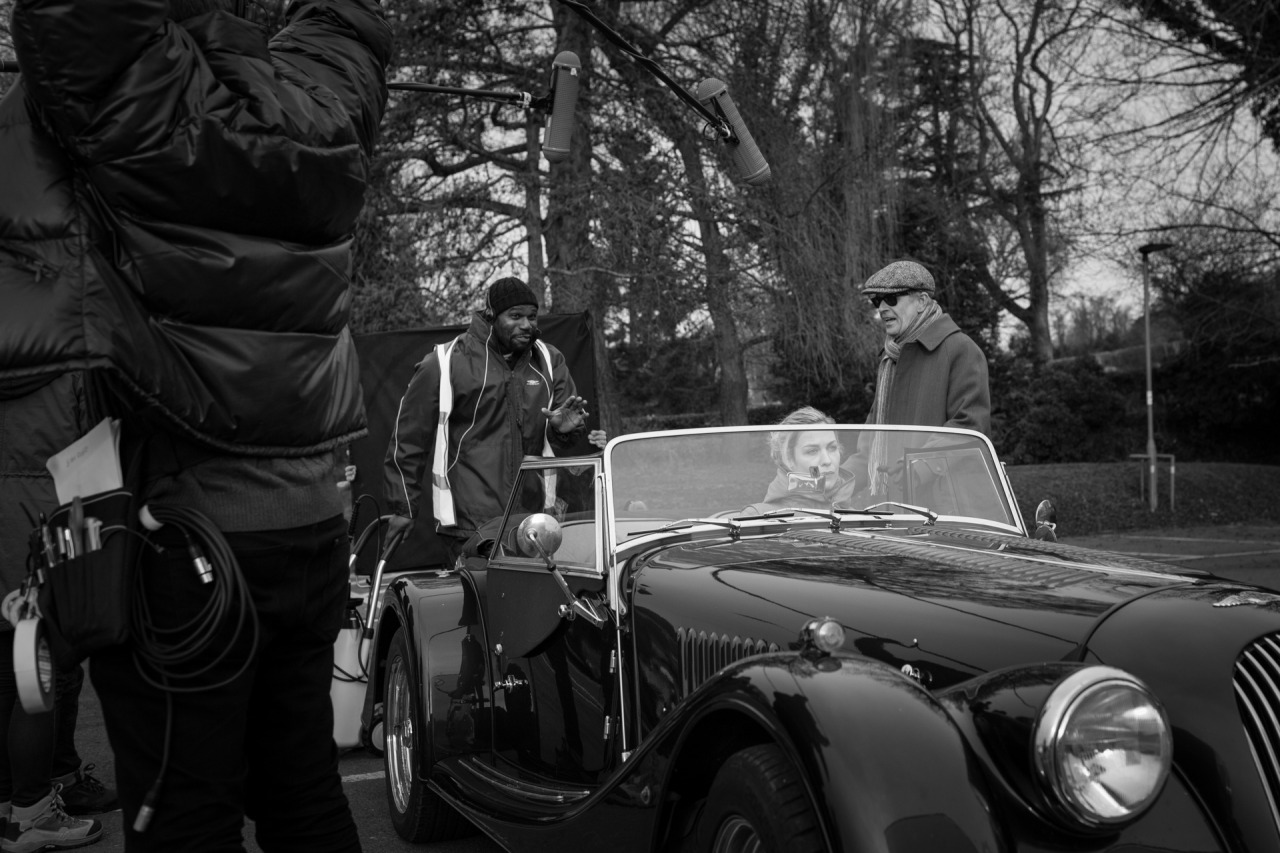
(565,71)
(751,165)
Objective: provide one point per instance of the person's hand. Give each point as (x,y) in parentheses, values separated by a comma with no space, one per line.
(571,415)
(598,438)
(11,607)
(892,471)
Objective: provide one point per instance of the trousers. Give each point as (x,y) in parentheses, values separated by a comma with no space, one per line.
(26,740)
(66,713)
(257,744)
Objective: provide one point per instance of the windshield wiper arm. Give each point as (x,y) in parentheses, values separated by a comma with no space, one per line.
(923,510)
(835,516)
(731,525)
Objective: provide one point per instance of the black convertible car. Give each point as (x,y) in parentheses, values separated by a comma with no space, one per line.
(819,638)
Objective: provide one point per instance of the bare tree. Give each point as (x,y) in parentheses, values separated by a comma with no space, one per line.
(1034,106)
(1235,46)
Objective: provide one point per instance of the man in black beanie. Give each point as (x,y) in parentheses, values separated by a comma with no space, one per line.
(505,395)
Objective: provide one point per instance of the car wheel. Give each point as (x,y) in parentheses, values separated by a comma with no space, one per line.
(758,804)
(417,813)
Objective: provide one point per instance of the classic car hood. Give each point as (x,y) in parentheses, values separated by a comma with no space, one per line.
(950,604)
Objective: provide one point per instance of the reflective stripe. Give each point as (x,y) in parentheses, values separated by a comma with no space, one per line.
(441,494)
(549,479)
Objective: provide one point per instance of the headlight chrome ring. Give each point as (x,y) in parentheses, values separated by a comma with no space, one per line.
(1102,747)
(822,637)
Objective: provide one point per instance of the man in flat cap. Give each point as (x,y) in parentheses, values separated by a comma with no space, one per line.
(930,373)
(473,410)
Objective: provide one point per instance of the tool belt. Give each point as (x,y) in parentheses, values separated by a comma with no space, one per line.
(88,588)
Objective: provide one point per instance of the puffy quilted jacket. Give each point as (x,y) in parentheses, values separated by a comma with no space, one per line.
(176,203)
(175,213)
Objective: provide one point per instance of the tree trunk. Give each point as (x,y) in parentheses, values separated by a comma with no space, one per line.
(575,285)
(719,278)
(535,269)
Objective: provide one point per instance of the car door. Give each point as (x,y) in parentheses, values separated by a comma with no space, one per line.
(552,681)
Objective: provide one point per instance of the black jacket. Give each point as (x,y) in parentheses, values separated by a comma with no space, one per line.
(496,419)
(175,213)
(176,203)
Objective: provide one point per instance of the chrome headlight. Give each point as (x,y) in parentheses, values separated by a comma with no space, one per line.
(1102,747)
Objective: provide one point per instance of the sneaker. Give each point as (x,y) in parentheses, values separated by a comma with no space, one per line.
(46,825)
(83,793)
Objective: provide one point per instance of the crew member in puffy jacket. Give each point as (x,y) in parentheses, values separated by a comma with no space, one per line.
(509,396)
(176,205)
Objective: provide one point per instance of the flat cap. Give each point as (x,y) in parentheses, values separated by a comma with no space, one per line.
(900,277)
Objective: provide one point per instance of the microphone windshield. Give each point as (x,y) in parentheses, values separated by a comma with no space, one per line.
(565,70)
(750,163)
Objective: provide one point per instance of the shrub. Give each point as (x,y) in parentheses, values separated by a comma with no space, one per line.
(1064,411)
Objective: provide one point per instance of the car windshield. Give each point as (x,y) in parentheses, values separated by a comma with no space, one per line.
(744,472)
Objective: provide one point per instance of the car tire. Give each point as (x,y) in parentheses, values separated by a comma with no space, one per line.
(417,813)
(757,802)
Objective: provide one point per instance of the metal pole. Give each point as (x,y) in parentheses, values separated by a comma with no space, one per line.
(1151,419)
(1145,250)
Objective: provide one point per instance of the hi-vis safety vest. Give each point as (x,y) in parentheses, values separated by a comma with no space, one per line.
(441,494)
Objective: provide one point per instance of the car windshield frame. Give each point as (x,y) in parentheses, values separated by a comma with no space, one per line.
(726,478)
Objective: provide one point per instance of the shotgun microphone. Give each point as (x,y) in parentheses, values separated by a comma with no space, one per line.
(746,156)
(565,71)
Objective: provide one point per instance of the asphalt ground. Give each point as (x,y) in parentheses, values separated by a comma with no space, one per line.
(1245,553)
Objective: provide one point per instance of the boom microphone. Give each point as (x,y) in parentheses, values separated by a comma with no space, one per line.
(564,98)
(751,165)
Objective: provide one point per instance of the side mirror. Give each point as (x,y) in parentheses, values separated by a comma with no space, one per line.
(1046,522)
(539,535)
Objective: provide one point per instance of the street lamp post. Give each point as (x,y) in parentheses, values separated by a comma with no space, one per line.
(1145,250)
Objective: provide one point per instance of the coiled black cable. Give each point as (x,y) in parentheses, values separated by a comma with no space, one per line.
(166,658)
(164,655)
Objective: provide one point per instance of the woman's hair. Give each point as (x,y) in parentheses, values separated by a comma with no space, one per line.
(781,443)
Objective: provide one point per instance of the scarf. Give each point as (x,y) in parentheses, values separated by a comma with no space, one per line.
(878,460)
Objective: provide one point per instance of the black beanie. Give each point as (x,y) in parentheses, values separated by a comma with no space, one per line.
(508,292)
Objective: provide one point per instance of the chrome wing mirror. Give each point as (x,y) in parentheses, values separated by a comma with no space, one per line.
(540,535)
(1046,522)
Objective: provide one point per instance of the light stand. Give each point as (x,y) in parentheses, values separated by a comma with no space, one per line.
(1145,250)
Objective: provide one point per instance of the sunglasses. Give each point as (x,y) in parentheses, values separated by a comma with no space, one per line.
(890,299)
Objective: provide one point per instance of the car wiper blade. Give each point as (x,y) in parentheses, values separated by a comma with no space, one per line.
(728,524)
(834,515)
(733,525)
(929,514)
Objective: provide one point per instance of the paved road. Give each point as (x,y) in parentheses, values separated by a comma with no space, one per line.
(1248,554)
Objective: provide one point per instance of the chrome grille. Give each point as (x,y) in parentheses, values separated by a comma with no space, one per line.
(702,655)
(1257,685)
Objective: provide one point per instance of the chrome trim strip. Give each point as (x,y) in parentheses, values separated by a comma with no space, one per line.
(1256,680)
(537,793)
